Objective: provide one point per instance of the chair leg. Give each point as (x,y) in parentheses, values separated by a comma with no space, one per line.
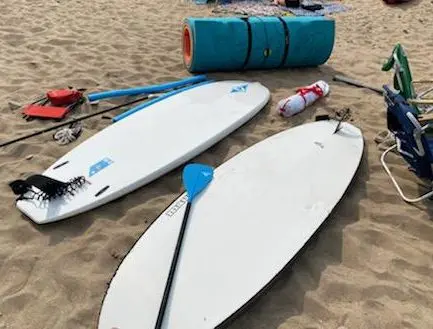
(425,92)
(422,197)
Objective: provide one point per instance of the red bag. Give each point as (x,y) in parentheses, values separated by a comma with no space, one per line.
(64,96)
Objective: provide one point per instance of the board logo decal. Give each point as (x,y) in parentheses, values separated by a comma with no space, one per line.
(172,210)
(97,167)
(319,144)
(240,89)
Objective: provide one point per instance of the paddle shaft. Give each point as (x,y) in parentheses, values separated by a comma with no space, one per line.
(72,121)
(356,83)
(164,301)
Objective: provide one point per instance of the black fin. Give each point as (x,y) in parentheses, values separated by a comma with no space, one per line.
(322,117)
(46,184)
(49,187)
(20,186)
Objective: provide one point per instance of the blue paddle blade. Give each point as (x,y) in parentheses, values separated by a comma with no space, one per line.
(195,179)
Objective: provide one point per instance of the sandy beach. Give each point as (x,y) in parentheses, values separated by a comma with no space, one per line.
(369,267)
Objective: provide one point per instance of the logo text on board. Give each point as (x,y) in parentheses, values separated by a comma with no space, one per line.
(240,89)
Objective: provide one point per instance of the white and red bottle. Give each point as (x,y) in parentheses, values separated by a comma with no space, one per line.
(304,97)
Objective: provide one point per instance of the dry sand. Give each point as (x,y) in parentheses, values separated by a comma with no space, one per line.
(370,267)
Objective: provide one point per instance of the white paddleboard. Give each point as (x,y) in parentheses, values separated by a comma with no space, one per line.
(260,209)
(146,145)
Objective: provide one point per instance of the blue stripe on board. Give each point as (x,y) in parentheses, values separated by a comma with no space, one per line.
(145,89)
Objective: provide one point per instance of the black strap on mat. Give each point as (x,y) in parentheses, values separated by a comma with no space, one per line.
(247,58)
(287,41)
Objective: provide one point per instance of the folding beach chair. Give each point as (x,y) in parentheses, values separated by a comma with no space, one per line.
(408,129)
(403,80)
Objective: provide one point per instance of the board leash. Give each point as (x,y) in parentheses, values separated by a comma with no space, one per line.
(344,116)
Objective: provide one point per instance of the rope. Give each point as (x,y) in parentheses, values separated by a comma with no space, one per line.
(385,140)
(69,134)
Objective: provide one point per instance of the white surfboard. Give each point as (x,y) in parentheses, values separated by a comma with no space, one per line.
(142,147)
(259,210)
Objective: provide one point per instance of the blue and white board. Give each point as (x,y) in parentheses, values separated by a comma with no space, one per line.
(260,209)
(144,146)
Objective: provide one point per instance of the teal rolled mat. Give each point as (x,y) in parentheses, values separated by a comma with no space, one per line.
(238,43)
